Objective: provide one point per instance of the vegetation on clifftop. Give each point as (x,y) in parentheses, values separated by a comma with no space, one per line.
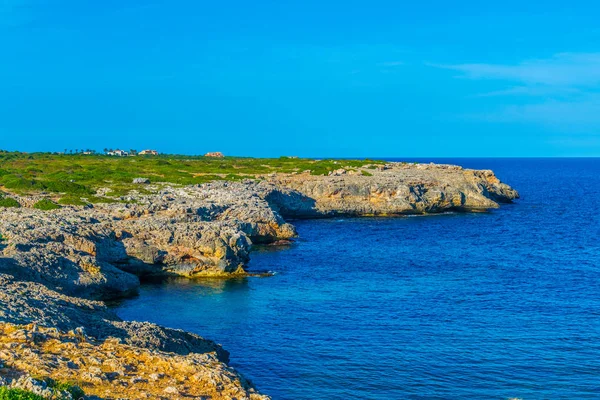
(79,176)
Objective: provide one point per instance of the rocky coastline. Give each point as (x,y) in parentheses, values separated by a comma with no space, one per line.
(58,267)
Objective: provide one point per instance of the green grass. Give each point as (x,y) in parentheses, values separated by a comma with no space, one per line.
(17,394)
(79,176)
(46,205)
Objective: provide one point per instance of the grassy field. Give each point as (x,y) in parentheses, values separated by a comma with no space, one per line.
(78,176)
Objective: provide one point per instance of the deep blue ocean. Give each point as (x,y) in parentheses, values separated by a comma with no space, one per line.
(480,306)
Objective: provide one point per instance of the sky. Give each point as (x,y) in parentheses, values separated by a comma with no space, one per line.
(304,78)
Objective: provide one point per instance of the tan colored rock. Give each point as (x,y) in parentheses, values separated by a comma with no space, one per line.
(125,371)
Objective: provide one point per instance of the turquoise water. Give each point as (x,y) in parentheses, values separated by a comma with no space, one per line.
(490,305)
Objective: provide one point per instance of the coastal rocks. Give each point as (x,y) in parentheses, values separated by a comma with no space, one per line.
(141,181)
(111,369)
(24,303)
(60,250)
(201,230)
(396,189)
(208,230)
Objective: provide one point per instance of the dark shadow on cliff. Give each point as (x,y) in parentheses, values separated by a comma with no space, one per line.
(293,204)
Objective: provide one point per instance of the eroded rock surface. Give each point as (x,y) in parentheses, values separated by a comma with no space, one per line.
(112,369)
(394,189)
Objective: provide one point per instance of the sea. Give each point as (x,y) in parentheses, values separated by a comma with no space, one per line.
(495,305)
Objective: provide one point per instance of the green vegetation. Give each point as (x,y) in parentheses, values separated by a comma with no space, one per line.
(17,394)
(366,173)
(58,388)
(72,201)
(78,176)
(8,202)
(46,205)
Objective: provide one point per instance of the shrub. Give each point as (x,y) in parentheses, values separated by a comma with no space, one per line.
(46,205)
(8,202)
(17,394)
(20,183)
(67,187)
(365,173)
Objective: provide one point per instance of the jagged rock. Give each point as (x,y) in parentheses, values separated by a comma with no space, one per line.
(109,368)
(395,189)
(144,181)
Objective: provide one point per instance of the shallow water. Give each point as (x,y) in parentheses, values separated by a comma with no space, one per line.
(489,305)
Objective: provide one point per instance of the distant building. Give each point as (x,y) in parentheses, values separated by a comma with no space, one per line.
(216,154)
(148,153)
(118,153)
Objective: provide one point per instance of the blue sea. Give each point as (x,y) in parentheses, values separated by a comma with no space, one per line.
(480,306)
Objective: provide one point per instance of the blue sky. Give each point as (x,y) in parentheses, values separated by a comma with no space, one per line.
(308,78)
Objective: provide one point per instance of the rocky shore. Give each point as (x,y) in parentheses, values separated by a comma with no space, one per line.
(57,267)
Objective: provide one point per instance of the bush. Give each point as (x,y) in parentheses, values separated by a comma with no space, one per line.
(67,187)
(365,173)
(20,183)
(8,202)
(46,205)
(17,394)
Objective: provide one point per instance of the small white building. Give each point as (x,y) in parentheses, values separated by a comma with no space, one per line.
(118,153)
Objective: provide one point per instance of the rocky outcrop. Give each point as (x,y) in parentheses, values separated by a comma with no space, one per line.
(112,369)
(44,333)
(56,265)
(393,189)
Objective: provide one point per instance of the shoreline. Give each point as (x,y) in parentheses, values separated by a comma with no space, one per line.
(75,255)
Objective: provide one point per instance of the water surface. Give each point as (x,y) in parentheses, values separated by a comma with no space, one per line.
(488,305)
